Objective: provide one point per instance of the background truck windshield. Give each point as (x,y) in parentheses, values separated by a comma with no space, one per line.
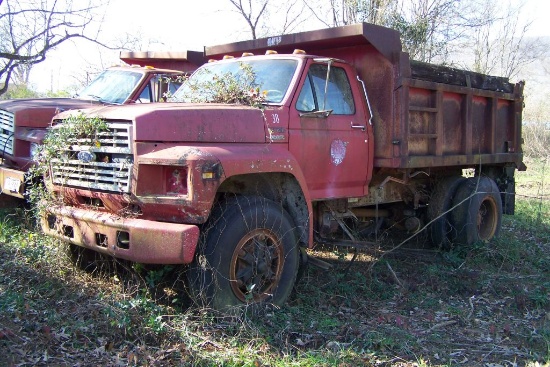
(272,77)
(112,86)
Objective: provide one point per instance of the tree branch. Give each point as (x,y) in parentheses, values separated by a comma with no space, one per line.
(28,31)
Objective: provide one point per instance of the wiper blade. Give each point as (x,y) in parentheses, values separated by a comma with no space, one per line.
(95,98)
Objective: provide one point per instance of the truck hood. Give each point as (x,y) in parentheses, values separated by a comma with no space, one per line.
(188,122)
(38,112)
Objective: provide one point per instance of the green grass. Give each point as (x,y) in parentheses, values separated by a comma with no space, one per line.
(488,303)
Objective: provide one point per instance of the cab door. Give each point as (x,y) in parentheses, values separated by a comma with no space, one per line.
(328,132)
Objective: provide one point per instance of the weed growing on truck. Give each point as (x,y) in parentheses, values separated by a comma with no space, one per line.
(228,87)
(78,133)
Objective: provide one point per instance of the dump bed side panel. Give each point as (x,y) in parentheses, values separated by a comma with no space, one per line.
(450,117)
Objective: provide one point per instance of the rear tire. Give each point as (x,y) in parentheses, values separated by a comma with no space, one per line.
(248,255)
(478,212)
(442,233)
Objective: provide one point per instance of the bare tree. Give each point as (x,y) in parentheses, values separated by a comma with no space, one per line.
(29,29)
(432,29)
(252,12)
(484,33)
(264,17)
(343,12)
(426,26)
(500,44)
(293,16)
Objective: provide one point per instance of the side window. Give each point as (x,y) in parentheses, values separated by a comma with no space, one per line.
(306,100)
(338,96)
(145,96)
(165,86)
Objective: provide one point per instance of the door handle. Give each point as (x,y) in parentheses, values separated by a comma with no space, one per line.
(362,127)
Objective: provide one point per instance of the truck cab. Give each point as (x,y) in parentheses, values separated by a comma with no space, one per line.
(25,121)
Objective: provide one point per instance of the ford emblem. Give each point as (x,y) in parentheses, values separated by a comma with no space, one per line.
(86,156)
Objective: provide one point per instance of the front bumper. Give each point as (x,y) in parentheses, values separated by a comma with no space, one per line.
(138,240)
(12,182)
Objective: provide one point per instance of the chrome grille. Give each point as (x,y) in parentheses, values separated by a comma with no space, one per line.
(7,126)
(115,140)
(112,175)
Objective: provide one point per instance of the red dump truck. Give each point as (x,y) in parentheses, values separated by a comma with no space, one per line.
(351,136)
(24,122)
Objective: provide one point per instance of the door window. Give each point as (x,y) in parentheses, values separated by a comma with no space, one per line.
(338,97)
(145,96)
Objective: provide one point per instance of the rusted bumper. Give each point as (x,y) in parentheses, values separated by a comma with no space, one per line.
(12,182)
(137,240)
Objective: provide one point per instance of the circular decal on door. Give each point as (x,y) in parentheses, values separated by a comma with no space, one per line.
(338,151)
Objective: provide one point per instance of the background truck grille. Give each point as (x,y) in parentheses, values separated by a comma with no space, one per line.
(111,169)
(7,127)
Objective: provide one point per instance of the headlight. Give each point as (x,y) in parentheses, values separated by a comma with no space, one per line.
(176,180)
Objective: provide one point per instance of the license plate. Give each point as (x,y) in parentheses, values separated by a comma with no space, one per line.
(12,184)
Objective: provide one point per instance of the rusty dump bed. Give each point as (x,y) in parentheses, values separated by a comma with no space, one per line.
(450,117)
(424,115)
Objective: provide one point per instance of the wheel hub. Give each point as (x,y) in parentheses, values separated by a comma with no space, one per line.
(256,265)
(486,219)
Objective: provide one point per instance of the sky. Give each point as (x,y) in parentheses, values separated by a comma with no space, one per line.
(178,25)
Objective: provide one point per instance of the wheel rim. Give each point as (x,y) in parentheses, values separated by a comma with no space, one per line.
(256,265)
(487,219)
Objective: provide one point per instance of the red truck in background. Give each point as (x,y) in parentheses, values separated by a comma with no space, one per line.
(352,136)
(24,122)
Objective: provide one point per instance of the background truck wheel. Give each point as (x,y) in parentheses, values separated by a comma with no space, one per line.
(249,254)
(91,261)
(442,233)
(478,212)
(83,258)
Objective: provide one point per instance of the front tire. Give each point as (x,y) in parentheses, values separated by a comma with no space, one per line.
(248,255)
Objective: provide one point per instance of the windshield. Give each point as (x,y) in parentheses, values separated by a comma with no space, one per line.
(269,79)
(112,86)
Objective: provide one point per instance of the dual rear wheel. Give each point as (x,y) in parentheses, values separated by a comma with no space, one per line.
(465,211)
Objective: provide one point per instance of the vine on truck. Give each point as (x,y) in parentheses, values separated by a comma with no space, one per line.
(78,136)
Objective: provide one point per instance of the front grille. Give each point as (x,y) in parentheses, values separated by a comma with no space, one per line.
(7,126)
(113,177)
(110,171)
(115,140)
